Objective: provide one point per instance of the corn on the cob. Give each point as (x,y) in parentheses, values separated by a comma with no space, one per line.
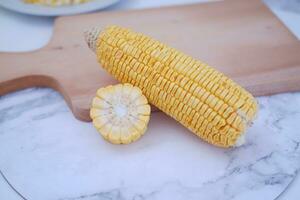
(120,113)
(56,2)
(202,99)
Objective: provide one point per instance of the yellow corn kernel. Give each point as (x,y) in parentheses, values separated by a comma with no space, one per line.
(56,2)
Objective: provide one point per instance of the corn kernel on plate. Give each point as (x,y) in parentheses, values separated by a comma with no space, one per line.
(55,7)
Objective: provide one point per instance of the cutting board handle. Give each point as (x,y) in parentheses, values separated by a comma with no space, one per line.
(31,69)
(28,71)
(22,70)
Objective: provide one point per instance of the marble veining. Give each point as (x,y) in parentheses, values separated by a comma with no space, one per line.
(46,153)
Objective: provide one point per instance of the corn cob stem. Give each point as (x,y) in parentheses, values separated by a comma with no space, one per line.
(202,99)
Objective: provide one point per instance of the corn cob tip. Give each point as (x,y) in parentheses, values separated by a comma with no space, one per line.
(91,37)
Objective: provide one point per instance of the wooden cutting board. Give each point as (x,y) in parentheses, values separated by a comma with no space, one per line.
(243,39)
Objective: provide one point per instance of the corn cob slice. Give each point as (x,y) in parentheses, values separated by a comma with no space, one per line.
(56,2)
(202,99)
(120,113)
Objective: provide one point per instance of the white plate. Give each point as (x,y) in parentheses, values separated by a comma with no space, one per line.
(33,9)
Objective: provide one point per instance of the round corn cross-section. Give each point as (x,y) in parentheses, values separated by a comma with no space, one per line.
(120,113)
(201,98)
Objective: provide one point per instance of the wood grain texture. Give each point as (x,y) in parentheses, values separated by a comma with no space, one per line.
(243,39)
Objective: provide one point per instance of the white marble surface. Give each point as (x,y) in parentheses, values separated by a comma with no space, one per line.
(45,153)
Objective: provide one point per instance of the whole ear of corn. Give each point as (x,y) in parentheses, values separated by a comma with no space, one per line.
(202,99)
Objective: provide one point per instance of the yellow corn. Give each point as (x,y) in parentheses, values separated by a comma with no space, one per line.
(202,99)
(120,113)
(56,2)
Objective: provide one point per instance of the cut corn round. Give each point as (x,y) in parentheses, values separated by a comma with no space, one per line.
(120,113)
(202,99)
